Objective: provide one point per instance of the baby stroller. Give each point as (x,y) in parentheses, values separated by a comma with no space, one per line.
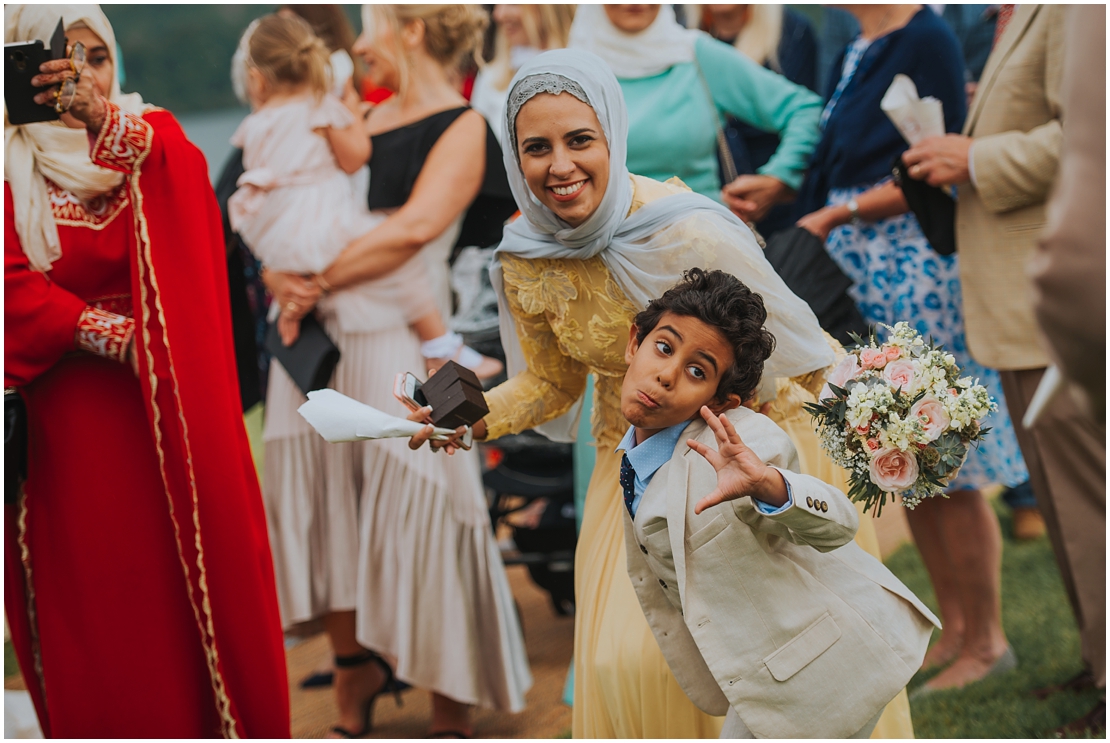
(529,479)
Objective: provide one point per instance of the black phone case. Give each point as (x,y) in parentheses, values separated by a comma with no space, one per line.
(21,63)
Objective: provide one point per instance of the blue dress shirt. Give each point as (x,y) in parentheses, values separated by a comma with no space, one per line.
(648,457)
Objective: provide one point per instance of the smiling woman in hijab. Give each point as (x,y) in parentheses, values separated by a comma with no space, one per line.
(593,246)
(138,583)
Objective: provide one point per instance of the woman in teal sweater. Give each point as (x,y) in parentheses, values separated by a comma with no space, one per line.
(669,75)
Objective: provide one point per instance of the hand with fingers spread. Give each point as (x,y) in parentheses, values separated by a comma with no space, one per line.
(740,472)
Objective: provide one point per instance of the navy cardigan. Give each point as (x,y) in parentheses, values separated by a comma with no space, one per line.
(859,143)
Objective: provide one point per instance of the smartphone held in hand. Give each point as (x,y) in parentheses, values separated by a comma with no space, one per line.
(21,64)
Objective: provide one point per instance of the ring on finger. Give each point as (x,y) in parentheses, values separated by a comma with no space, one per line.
(292,306)
(65,94)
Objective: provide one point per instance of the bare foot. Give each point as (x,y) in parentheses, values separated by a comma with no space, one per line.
(969,668)
(353,687)
(944,651)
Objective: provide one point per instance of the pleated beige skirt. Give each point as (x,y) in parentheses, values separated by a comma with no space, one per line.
(402,537)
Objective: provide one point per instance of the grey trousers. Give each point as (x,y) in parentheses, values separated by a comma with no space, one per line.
(734,727)
(1066,455)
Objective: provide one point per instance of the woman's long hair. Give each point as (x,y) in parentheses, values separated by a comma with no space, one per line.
(453,34)
(758,40)
(547,27)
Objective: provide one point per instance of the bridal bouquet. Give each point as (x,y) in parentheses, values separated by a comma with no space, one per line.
(899,417)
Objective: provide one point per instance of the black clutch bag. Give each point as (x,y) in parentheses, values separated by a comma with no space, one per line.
(15,444)
(800,258)
(934,208)
(312,358)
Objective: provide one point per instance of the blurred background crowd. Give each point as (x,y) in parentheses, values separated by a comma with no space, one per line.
(773,110)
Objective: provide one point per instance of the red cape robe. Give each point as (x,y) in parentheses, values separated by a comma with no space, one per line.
(139,584)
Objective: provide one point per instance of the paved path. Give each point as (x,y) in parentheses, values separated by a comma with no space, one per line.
(549,639)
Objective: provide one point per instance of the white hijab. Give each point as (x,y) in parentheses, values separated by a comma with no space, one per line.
(647,252)
(652,51)
(52,149)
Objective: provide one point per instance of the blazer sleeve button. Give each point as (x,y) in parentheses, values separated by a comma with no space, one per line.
(824,506)
(809,501)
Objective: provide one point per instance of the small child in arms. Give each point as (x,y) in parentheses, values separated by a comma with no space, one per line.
(295,208)
(765,608)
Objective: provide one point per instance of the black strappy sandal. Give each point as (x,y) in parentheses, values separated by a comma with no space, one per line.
(448,734)
(390,685)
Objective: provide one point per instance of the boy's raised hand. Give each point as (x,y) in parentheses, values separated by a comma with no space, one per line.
(740,472)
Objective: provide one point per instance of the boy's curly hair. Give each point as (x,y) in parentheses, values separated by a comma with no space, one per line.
(721,300)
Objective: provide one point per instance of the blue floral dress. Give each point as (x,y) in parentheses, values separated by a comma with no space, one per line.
(898,276)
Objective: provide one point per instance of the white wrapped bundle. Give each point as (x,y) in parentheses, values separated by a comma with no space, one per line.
(338,418)
(915,118)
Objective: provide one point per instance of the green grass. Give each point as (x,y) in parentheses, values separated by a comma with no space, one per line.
(1040,626)
(11,666)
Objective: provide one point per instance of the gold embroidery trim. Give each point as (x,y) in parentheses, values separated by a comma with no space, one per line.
(206,627)
(32,615)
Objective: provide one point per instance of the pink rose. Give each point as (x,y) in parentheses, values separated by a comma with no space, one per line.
(893,353)
(894,470)
(873,445)
(872,358)
(932,416)
(863,428)
(900,374)
(845,371)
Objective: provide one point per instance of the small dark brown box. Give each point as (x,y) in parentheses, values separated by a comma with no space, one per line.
(455,395)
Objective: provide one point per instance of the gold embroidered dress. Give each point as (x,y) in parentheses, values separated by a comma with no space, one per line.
(573,320)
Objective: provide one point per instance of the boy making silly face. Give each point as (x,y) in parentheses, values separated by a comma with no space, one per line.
(701,351)
(746,570)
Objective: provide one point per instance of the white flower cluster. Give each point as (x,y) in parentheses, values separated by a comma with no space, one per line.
(864,401)
(897,433)
(966,406)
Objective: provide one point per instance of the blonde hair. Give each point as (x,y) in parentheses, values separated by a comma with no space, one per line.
(287,52)
(453,34)
(547,27)
(758,40)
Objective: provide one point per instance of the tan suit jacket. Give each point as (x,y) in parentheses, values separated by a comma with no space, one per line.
(783,617)
(1069,271)
(1016,126)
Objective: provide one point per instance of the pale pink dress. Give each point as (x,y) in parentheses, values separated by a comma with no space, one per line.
(296,209)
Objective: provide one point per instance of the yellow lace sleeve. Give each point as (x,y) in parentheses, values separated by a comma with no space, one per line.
(548,388)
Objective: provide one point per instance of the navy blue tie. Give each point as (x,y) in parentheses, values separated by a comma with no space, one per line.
(628,482)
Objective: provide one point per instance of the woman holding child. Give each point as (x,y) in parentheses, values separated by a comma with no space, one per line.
(394,552)
(594,246)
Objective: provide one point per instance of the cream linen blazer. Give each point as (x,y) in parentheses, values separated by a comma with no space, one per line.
(1016,126)
(782,617)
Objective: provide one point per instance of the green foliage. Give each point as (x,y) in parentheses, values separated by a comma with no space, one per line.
(179,56)
(11,666)
(951,451)
(1040,627)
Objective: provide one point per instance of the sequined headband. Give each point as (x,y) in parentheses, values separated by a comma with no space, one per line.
(531,86)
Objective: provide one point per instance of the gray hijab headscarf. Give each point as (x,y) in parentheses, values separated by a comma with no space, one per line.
(647,252)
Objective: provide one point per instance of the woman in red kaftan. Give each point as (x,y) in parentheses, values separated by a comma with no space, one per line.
(139,586)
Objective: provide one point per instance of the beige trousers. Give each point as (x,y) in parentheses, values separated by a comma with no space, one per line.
(1066,455)
(735,728)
